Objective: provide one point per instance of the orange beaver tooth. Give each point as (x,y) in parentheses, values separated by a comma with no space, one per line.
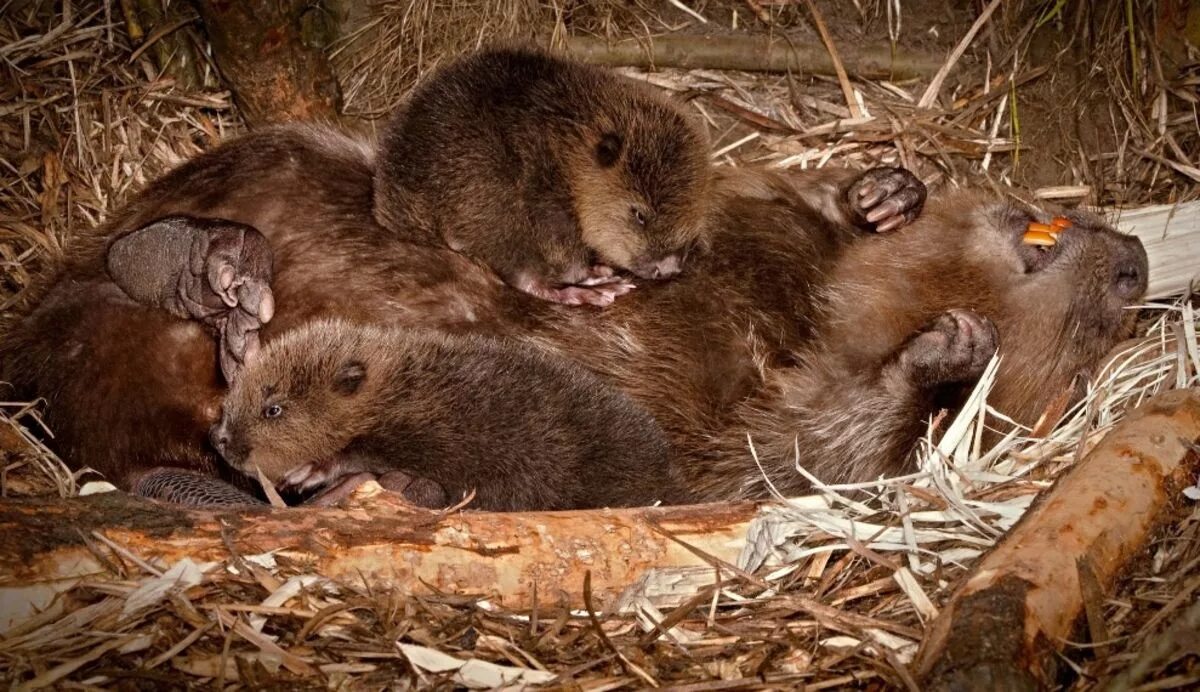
(1061,222)
(1036,237)
(1036,227)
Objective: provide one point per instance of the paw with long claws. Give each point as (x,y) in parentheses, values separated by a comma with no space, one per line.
(419,492)
(600,291)
(214,271)
(316,474)
(228,286)
(953,349)
(886,198)
(338,490)
(599,275)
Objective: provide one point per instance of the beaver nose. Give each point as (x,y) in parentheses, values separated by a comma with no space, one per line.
(219,436)
(1130,268)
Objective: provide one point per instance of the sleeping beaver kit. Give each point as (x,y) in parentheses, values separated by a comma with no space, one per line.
(429,412)
(554,173)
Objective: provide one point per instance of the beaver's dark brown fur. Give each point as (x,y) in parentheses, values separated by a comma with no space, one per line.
(523,429)
(552,172)
(799,328)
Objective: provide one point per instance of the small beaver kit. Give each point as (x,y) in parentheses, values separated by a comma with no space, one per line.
(560,176)
(435,416)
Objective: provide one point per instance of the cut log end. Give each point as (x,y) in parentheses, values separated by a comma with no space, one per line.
(985,641)
(1003,626)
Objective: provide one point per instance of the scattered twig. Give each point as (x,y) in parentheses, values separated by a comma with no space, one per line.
(838,68)
(935,86)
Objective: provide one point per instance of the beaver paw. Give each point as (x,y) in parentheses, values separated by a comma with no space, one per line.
(342,488)
(316,474)
(886,198)
(419,492)
(599,275)
(600,292)
(227,285)
(954,348)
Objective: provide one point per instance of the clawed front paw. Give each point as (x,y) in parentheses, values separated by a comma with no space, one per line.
(420,492)
(599,290)
(599,275)
(600,295)
(227,285)
(954,348)
(312,475)
(342,488)
(887,198)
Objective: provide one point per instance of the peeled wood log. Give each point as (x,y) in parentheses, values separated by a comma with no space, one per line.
(271,53)
(1171,234)
(376,538)
(1001,628)
(752,54)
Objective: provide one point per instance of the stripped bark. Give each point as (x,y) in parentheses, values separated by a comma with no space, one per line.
(752,54)
(1018,606)
(379,539)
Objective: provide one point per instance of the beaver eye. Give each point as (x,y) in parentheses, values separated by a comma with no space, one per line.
(273,411)
(638,216)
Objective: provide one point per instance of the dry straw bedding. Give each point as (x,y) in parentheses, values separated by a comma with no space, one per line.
(833,590)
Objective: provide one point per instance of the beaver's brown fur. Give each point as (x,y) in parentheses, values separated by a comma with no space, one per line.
(544,168)
(523,429)
(798,329)
(907,321)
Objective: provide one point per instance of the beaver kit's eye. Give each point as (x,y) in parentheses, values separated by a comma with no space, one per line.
(639,217)
(272,411)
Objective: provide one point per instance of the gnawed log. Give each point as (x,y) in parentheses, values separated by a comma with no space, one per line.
(376,538)
(272,55)
(752,54)
(1018,605)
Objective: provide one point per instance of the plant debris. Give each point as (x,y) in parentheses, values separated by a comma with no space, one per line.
(832,590)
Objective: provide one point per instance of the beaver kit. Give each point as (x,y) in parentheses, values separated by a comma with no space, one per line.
(562,177)
(522,429)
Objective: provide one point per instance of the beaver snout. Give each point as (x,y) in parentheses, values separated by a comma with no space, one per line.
(218,435)
(1130,268)
(221,435)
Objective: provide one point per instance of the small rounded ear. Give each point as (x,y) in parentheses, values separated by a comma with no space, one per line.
(608,149)
(349,377)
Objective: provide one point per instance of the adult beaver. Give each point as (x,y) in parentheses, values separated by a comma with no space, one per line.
(800,328)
